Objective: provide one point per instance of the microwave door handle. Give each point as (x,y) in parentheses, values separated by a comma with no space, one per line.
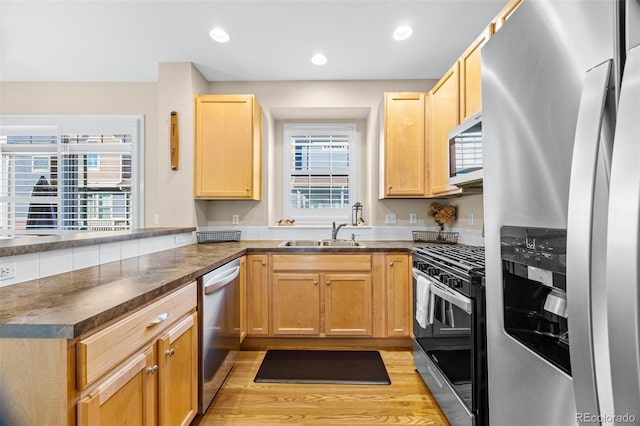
(452,297)
(623,245)
(580,234)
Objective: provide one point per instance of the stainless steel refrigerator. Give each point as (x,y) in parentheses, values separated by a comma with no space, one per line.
(561,140)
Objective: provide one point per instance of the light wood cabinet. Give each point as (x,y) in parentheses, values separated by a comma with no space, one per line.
(157,383)
(257,306)
(445,115)
(406,172)
(399,297)
(126,396)
(296,304)
(505,13)
(470,81)
(347,304)
(228,147)
(321,295)
(177,373)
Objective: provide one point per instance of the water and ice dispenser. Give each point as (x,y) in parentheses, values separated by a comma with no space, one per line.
(534,291)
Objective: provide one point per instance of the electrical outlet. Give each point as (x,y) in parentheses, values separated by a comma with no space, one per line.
(413,218)
(390,218)
(471,219)
(8,271)
(235,219)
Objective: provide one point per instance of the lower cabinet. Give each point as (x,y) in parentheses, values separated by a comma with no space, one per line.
(157,384)
(126,396)
(321,295)
(399,289)
(257,295)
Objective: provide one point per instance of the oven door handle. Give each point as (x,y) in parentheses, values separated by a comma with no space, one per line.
(451,296)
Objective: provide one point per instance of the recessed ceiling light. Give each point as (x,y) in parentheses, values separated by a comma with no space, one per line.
(319,59)
(219,35)
(402,32)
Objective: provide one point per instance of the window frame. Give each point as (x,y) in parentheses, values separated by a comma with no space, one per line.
(324,214)
(60,125)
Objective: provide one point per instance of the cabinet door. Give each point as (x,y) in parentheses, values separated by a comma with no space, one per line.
(296,304)
(347,304)
(227,147)
(470,87)
(398,295)
(505,13)
(257,295)
(445,114)
(126,396)
(177,373)
(405,172)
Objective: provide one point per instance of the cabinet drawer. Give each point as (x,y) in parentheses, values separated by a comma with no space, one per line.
(101,352)
(321,262)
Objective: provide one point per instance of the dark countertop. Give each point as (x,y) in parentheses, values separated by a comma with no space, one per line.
(72,304)
(27,245)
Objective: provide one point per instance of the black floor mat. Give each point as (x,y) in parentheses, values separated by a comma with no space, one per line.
(319,366)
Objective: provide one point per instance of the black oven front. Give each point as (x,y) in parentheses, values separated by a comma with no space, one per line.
(450,331)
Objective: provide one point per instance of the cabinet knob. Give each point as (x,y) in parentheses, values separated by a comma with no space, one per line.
(391,264)
(170,352)
(152,370)
(264,263)
(315,282)
(390,186)
(246,189)
(328,282)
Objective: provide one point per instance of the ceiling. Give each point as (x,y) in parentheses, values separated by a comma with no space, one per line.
(87,40)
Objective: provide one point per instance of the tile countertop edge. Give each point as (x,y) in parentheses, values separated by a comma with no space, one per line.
(203,258)
(18,246)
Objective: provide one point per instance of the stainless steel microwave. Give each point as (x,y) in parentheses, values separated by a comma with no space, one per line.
(465,152)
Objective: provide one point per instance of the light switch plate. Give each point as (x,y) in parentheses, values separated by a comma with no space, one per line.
(413,218)
(390,218)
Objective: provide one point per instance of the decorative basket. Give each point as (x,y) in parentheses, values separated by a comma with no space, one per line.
(441,237)
(205,237)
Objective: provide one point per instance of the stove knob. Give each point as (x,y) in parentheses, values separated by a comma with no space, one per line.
(455,283)
(443,277)
(432,271)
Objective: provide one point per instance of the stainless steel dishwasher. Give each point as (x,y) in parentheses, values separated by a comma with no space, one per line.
(219,329)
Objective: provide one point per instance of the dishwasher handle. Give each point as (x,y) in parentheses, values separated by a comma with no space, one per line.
(217,282)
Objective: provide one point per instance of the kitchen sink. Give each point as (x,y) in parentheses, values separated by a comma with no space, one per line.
(301,243)
(322,243)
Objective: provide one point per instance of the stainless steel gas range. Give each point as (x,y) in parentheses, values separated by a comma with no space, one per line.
(450,343)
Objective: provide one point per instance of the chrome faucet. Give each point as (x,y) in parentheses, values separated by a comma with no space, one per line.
(334,232)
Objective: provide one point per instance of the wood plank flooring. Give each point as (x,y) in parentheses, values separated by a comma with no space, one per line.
(407,401)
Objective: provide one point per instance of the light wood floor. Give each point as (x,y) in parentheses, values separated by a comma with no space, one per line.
(407,401)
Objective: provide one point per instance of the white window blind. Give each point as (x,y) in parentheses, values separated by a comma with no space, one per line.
(320,171)
(53,179)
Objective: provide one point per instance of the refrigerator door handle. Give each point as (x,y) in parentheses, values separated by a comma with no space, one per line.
(579,236)
(623,246)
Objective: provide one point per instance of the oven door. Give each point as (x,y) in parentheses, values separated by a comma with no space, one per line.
(444,350)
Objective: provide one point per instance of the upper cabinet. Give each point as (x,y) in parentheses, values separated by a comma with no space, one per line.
(228,147)
(505,13)
(445,115)
(404,152)
(470,87)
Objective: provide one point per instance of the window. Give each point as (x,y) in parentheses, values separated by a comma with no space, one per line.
(40,164)
(89,168)
(319,171)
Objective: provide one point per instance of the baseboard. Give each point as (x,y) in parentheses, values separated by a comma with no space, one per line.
(264,343)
